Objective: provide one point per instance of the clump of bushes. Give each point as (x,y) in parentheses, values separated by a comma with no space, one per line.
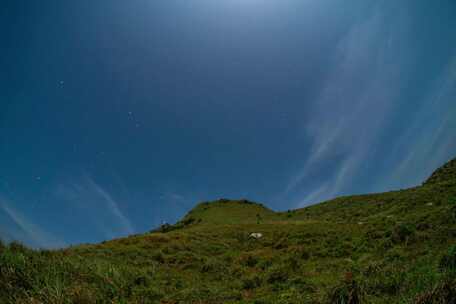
(348,292)
(165,228)
(179,225)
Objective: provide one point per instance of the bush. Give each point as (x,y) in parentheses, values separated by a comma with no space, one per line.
(188,221)
(452,200)
(82,295)
(158,256)
(348,292)
(277,276)
(17,247)
(300,253)
(402,233)
(443,293)
(264,264)
(448,261)
(249,260)
(212,266)
(251,283)
(383,281)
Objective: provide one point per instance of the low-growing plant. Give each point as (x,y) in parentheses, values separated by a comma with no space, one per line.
(448,261)
(348,292)
(251,282)
(277,275)
(442,293)
(402,233)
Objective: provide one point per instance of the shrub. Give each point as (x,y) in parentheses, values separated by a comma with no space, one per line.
(251,283)
(82,295)
(423,226)
(241,237)
(249,260)
(188,221)
(452,200)
(277,276)
(452,213)
(17,247)
(212,266)
(258,218)
(164,228)
(394,255)
(264,264)
(292,262)
(383,281)
(158,256)
(448,261)
(305,255)
(348,292)
(443,293)
(402,233)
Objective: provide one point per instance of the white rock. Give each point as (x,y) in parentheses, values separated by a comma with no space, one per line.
(256,235)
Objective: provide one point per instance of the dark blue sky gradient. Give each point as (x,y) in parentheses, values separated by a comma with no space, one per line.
(118,115)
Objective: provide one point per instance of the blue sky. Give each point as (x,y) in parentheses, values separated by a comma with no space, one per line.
(119,115)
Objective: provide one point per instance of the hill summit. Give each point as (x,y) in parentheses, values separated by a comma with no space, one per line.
(225,211)
(446,173)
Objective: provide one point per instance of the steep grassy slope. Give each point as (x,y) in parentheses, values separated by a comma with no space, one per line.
(395,247)
(445,174)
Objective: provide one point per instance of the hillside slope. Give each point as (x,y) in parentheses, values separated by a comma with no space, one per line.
(395,247)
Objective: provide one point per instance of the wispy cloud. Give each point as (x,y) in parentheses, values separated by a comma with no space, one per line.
(351,107)
(429,140)
(33,233)
(99,204)
(359,101)
(112,205)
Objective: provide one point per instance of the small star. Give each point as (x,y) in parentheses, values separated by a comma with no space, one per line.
(38,178)
(62,82)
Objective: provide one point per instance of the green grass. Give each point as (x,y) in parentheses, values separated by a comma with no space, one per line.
(395,247)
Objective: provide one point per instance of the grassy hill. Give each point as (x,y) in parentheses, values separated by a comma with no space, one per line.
(395,247)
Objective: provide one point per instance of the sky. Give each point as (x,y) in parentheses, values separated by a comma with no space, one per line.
(117,116)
